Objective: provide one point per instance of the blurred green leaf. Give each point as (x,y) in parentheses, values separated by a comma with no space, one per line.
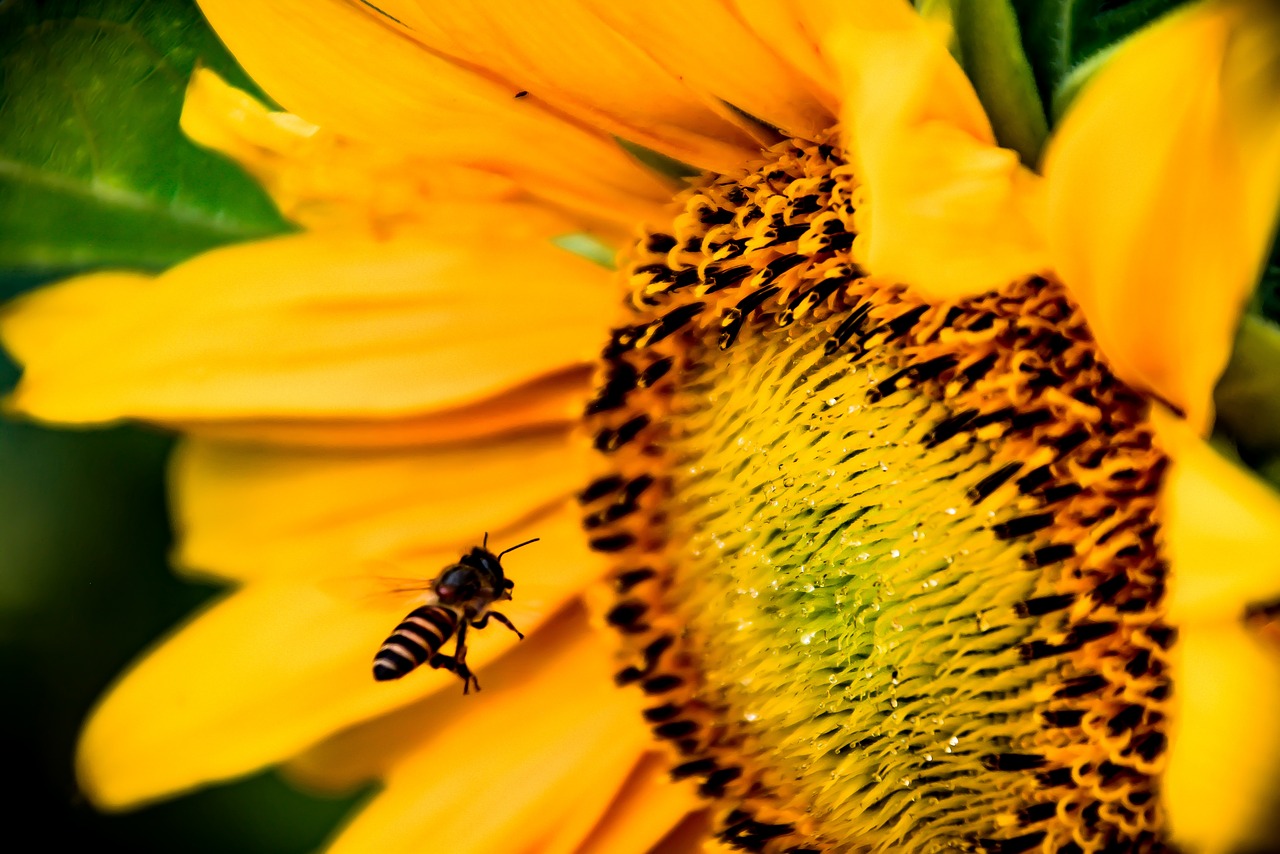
(991,51)
(1267,297)
(590,247)
(94,170)
(1061,37)
(667,167)
(1247,396)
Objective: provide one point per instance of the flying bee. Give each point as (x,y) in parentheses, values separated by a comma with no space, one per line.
(464,593)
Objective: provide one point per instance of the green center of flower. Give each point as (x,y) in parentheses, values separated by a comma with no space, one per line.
(888,570)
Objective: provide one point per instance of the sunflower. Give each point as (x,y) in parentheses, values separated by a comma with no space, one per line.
(891,478)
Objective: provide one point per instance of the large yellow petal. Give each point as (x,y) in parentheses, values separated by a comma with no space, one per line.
(356,76)
(320,180)
(370,749)
(561,53)
(637,811)
(1222,532)
(554,400)
(256,512)
(1222,783)
(1164,184)
(510,765)
(312,326)
(1221,527)
(709,47)
(793,30)
(646,809)
(946,210)
(276,667)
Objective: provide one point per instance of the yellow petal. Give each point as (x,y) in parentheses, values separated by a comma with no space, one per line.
(359,78)
(1221,527)
(792,31)
(555,400)
(946,210)
(712,50)
(320,180)
(311,326)
(276,667)
(562,54)
(646,809)
(1220,787)
(512,763)
(256,512)
(370,749)
(1163,188)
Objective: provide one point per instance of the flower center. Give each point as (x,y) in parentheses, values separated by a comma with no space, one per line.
(887,570)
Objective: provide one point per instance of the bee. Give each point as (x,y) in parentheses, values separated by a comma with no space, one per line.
(464,593)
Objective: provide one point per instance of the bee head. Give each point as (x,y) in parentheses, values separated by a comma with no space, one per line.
(457,584)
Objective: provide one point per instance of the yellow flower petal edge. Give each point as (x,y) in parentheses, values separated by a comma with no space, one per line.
(560,52)
(946,208)
(712,50)
(320,180)
(1163,188)
(476,781)
(254,513)
(277,667)
(616,815)
(557,399)
(370,748)
(791,30)
(1222,533)
(1221,529)
(370,328)
(347,72)
(648,806)
(1222,780)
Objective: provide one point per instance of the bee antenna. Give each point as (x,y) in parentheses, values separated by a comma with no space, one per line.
(520,546)
(485,545)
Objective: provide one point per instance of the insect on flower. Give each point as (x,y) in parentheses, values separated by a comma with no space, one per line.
(464,593)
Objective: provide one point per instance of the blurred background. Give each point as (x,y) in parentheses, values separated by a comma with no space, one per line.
(90,95)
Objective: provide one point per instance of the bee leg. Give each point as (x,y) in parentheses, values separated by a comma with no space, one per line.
(460,654)
(457,668)
(502,618)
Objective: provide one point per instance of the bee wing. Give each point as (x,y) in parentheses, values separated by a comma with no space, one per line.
(377,589)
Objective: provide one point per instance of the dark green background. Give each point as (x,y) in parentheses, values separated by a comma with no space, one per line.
(95,173)
(84,588)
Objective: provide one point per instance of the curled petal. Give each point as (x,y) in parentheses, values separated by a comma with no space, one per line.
(320,180)
(1163,188)
(1221,527)
(946,209)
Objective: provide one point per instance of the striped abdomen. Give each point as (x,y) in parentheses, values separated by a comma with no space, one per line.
(414,641)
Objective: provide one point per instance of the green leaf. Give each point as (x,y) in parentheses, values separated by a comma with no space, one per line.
(1062,36)
(1267,296)
(990,48)
(589,247)
(94,170)
(668,167)
(1247,396)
